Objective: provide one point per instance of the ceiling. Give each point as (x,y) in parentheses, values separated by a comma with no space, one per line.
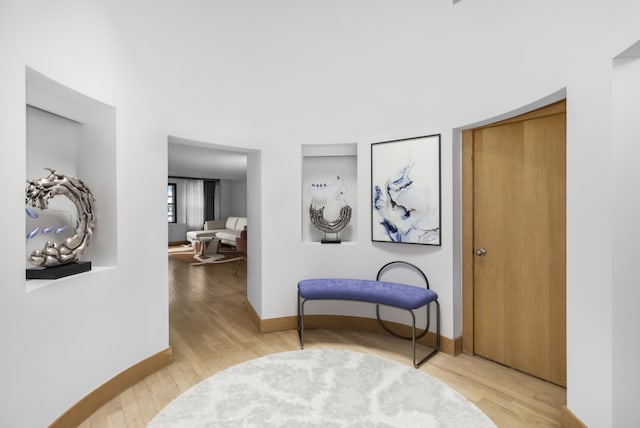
(188,158)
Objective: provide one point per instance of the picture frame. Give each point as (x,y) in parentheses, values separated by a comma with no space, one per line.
(406,191)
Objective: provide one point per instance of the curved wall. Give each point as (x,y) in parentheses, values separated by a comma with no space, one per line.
(269,77)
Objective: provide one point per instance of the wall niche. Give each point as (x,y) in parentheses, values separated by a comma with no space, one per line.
(329,180)
(75,135)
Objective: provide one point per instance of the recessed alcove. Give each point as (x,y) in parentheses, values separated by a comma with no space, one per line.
(329,173)
(75,135)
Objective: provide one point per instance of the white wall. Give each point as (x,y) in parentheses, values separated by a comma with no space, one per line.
(226,192)
(233,198)
(269,77)
(52,141)
(239,198)
(626,236)
(62,341)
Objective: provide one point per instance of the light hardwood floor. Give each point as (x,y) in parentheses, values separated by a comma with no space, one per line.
(210,330)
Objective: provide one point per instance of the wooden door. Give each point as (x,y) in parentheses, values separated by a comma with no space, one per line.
(519,225)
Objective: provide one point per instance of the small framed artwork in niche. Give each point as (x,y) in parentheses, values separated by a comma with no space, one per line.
(405,184)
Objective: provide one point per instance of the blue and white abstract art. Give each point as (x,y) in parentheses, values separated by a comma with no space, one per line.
(405,179)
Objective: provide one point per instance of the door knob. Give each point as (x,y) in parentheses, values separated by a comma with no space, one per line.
(481,252)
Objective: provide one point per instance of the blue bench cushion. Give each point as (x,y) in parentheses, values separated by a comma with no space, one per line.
(363,290)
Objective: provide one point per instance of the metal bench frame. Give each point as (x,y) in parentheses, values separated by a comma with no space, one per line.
(413,338)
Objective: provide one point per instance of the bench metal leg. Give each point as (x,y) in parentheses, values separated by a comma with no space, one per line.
(413,338)
(413,344)
(301,320)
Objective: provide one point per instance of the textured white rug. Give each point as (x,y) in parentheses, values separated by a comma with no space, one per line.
(321,388)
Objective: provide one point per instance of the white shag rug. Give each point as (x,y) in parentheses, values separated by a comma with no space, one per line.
(321,388)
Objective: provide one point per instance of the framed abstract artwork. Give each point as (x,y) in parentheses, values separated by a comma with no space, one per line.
(405,184)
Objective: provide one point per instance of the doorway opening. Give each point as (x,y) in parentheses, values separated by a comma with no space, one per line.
(237,172)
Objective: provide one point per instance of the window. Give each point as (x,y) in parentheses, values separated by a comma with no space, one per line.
(171,203)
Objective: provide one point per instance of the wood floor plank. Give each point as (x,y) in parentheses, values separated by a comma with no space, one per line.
(158,394)
(144,397)
(210,330)
(131,408)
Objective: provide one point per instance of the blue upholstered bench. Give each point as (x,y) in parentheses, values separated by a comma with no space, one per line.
(403,296)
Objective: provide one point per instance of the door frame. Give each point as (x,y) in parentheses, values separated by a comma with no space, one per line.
(467,189)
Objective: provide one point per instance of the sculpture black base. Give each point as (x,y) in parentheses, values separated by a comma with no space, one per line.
(56,272)
(330,241)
